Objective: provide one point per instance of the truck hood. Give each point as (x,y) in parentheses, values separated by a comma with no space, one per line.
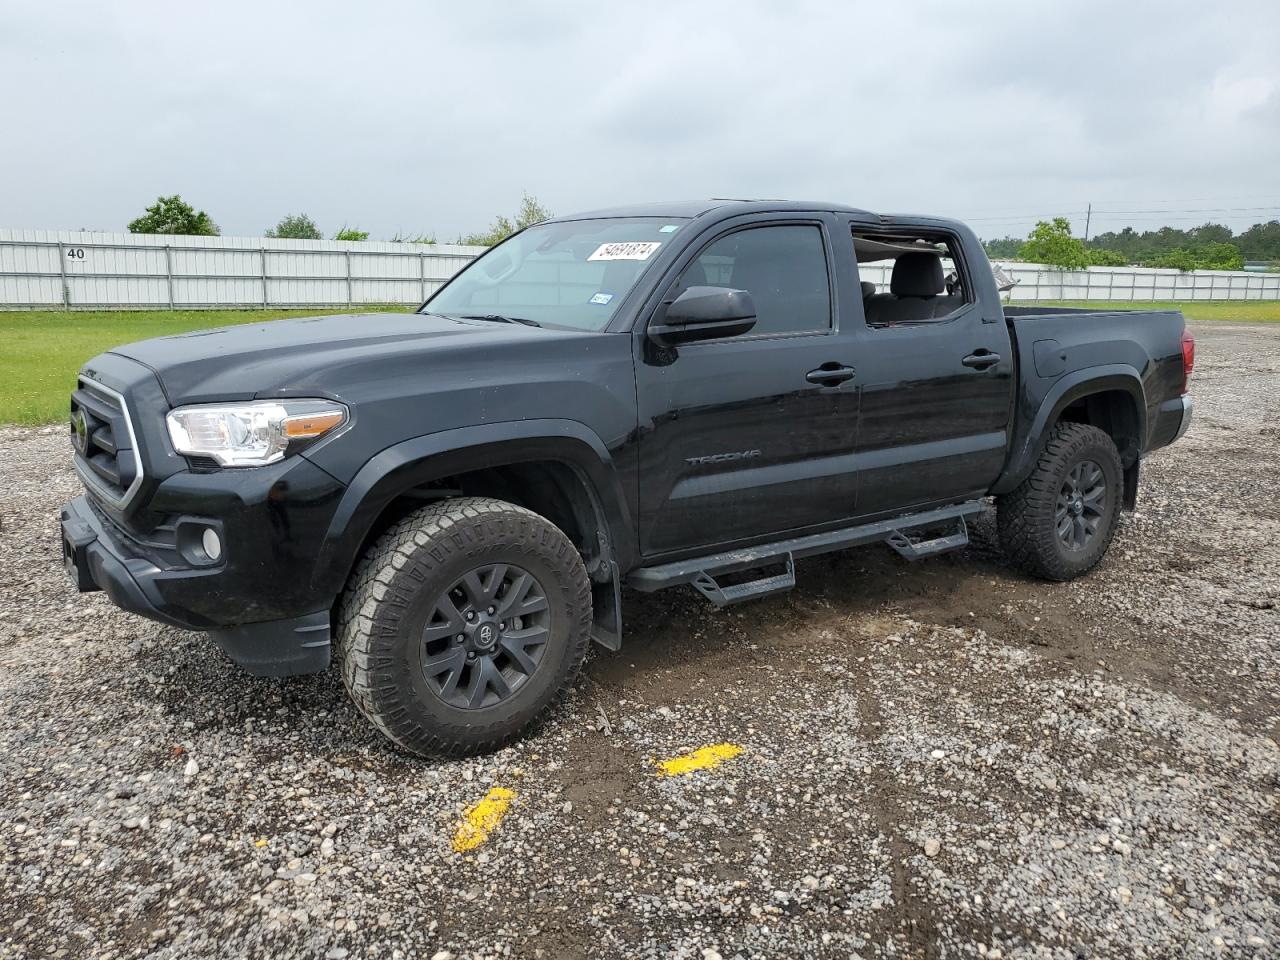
(281,357)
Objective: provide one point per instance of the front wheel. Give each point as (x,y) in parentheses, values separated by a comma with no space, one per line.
(1059,521)
(463,624)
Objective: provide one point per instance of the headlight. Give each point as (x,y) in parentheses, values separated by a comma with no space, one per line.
(252,434)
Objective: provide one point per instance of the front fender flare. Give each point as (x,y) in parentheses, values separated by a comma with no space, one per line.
(412,463)
(1066,391)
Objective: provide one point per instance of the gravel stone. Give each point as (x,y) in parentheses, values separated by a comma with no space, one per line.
(1107,784)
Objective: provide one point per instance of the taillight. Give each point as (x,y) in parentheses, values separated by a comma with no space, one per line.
(1188,357)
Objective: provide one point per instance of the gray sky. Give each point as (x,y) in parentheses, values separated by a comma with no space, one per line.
(435,117)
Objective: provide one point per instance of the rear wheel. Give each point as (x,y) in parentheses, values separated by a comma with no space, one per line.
(463,624)
(1059,522)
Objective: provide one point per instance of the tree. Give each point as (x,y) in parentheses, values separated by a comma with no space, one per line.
(1053,244)
(1177,259)
(295,227)
(1261,241)
(1210,233)
(1105,258)
(531,212)
(351,233)
(1004,248)
(173,215)
(1210,246)
(1219,256)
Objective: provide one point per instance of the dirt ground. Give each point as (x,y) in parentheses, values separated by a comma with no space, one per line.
(941,759)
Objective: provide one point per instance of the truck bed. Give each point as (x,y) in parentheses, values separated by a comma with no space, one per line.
(1138,352)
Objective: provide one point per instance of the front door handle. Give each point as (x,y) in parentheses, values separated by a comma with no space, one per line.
(981,359)
(830,374)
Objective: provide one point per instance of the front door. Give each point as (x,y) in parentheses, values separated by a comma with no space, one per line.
(750,436)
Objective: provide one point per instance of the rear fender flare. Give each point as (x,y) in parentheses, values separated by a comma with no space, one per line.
(412,463)
(1069,389)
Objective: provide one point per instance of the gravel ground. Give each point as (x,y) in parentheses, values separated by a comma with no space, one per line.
(940,759)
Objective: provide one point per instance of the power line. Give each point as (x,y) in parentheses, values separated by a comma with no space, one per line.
(1113,214)
(1251,197)
(1245,196)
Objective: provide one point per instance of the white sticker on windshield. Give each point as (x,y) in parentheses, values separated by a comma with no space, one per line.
(669,228)
(626,251)
(602,298)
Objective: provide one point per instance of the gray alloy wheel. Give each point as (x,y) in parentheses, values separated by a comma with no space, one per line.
(485,636)
(1081,506)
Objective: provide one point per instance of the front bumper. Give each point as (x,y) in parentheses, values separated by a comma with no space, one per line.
(94,563)
(258,601)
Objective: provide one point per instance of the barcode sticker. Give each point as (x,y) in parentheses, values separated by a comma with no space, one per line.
(635,250)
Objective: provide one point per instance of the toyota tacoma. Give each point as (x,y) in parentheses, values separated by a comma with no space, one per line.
(672,394)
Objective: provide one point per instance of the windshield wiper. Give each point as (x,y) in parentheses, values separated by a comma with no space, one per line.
(499,318)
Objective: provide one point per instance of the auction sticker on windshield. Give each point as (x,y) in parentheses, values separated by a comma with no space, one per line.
(635,250)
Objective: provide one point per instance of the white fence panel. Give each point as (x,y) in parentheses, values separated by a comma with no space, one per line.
(81,270)
(1039,282)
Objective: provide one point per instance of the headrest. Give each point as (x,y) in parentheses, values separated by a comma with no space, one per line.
(917,275)
(695,275)
(868,289)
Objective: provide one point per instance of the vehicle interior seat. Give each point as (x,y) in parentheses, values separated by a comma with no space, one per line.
(618,276)
(868,289)
(695,275)
(917,292)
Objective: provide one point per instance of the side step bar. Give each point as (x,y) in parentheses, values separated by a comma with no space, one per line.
(918,549)
(706,585)
(702,571)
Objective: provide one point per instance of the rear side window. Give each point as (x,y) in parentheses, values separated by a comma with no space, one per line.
(784,268)
(910,278)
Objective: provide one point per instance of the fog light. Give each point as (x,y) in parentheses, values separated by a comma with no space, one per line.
(212,545)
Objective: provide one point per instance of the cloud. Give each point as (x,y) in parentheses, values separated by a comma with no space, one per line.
(434,118)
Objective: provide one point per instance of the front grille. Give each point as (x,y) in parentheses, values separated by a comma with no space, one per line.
(106,455)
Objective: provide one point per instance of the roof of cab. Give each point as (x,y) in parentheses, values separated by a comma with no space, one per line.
(690,209)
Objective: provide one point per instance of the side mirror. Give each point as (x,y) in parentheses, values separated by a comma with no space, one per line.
(705,313)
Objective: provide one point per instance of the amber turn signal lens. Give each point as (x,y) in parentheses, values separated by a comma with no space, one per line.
(308,427)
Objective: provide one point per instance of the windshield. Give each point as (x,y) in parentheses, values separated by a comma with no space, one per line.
(569,274)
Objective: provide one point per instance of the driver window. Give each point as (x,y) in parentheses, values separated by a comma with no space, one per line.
(784,268)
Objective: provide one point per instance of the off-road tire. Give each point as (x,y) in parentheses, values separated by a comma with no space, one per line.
(1026,516)
(390,598)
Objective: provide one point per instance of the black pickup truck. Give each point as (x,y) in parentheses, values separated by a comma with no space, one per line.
(651,396)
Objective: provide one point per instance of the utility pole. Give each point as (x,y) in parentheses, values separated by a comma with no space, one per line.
(1088,215)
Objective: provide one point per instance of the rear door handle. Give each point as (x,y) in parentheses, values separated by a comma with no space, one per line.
(830,374)
(981,359)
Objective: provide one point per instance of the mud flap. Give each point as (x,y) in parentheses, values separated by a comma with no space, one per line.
(606,606)
(1130,500)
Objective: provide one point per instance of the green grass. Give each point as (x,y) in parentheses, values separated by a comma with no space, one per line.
(1241,311)
(44,350)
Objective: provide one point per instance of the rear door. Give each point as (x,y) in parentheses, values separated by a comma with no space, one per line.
(936,395)
(750,436)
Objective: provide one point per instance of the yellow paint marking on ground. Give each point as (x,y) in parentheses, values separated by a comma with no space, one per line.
(703,758)
(482,819)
